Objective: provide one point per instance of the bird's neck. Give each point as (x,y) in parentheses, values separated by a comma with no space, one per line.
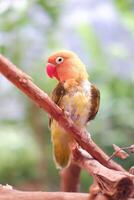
(73,82)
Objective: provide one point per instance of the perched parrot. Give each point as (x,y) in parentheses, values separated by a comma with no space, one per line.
(75,95)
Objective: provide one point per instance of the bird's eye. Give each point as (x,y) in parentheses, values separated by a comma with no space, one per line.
(59,60)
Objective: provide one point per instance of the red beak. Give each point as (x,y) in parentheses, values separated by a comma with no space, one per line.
(51,71)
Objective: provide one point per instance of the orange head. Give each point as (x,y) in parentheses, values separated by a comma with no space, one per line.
(65,65)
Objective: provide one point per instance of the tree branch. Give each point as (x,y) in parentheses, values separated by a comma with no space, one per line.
(116,184)
(11,194)
(24,83)
(70,178)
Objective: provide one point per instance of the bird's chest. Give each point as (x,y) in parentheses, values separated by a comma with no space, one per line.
(77,103)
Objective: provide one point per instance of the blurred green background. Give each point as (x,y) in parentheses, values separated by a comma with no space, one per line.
(102,34)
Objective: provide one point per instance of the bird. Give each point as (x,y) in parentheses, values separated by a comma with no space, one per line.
(75,95)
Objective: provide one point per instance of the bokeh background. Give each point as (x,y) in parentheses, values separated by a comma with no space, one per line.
(101,32)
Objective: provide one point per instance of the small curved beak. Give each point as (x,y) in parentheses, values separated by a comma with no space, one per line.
(51,70)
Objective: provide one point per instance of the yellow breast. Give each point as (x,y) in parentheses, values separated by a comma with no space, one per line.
(77,103)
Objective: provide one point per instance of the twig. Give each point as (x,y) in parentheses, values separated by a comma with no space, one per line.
(116,184)
(24,83)
(119,151)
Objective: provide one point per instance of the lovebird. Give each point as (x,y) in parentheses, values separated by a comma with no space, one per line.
(75,95)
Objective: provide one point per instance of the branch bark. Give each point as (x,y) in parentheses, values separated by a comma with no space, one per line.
(24,83)
(70,178)
(116,184)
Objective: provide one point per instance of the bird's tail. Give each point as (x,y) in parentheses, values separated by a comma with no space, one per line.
(61,155)
(61,142)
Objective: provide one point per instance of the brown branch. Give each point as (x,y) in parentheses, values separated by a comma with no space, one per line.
(116,184)
(11,194)
(70,178)
(24,83)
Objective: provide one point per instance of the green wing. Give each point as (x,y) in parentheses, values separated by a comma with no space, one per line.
(95,102)
(57,95)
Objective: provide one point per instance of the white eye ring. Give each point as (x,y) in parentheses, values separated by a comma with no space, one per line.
(59,60)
